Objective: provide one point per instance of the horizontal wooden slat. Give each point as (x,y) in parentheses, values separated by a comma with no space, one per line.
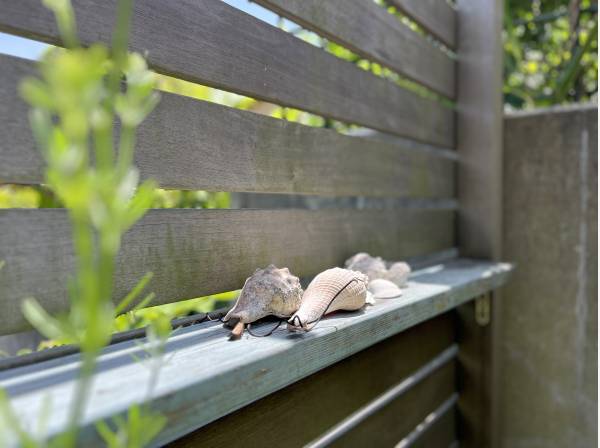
(206,376)
(305,410)
(190,144)
(438,429)
(435,16)
(362,416)
(398,418)
(194,253)
(210,42)
(370,31)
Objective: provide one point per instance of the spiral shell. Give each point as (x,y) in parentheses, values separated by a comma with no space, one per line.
(331,290)
(267,292)
(375,268)
(384,289)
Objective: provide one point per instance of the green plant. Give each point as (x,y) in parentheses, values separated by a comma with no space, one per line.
(550,52)
(74,106)
(141,424)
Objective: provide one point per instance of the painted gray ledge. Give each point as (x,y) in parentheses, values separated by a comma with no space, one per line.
(206,376)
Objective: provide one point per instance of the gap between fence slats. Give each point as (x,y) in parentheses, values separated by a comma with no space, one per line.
(384,400)
(370,31)
(434,16)
(437,429)
(210,42)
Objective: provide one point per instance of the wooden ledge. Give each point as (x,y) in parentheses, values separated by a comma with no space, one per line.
(206,376)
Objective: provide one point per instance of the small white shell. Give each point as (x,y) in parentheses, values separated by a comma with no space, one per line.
(375,268)
(398,273)
(267,292)
(331,290)
(384,289)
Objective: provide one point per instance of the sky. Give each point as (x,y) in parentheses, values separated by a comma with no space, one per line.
(30,49)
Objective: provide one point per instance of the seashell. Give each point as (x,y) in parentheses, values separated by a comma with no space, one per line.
(384,289)
(398,273)
(331,290)
(267,292)
(375,268)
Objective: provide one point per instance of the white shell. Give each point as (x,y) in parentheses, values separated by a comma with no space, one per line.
(384,289)
(375,268)
(267,292)
(398,273)
(331,290)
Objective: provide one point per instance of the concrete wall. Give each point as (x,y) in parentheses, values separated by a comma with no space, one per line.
(549,309)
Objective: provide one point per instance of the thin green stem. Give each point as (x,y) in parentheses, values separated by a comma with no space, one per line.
(80,397)
(126,148)
(119,44)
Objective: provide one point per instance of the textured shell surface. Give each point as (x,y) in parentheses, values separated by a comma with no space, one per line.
(267,292)
(384,289)
(332,290)
(374,267)
(398,273)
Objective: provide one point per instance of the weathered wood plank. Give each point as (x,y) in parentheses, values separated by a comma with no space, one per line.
(382,401)
(368,30)
(479,146)
(305,410)
(401,416)
(190,144)
(437,17)
(207,376)
(474,407)
(479,127)
(438,429)
(551,171)
(193,253)
(210,42)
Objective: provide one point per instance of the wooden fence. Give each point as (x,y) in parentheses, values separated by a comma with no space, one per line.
(433,146)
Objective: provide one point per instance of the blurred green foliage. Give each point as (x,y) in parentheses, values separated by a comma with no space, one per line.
(550,52)
(74,101)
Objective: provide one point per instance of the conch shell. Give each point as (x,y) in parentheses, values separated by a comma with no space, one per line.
(331,290)
(267,292)
(375,268)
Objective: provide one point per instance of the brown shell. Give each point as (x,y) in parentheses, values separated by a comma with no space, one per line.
(267,292)
(331,290)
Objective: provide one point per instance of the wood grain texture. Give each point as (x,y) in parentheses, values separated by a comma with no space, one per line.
(210,42)
(207,376)
(191,144)
(474,373)
(435,16)
(370,31)
(401,416)
(305,410)
(551,171)
(442,433)
(479,146)
(193,253)
(479,127)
